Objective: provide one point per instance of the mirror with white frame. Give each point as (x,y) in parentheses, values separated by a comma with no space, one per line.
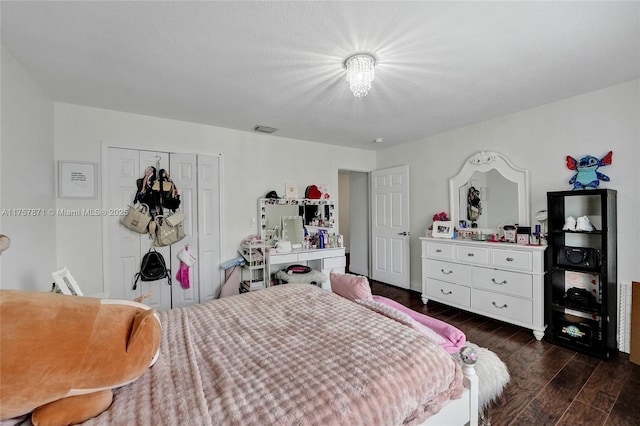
(489,192)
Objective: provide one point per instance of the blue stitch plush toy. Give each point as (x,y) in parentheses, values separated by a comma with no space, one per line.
(588,176)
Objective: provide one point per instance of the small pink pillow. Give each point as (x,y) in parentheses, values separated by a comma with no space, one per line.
(352,287)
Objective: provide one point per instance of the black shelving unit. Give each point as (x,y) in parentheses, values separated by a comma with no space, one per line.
(582,320)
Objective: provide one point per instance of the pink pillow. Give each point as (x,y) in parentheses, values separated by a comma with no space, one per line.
(352,287)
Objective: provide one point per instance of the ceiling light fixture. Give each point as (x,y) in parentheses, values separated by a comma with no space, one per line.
(360,73)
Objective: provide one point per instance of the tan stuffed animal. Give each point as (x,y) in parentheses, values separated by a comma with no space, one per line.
(62,355)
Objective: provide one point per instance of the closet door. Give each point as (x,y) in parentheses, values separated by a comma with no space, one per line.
(198,178)
(209,226)
(161,297)
(123,254)
(183,171)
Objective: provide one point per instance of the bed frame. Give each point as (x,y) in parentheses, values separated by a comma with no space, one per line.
(462,411)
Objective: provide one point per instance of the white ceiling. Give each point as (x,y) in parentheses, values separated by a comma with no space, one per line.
(441,65)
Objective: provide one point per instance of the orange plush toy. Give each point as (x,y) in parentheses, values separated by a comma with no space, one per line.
(62,355)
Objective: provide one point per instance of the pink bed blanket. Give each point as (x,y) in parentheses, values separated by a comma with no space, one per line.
(452,339)
(287,355)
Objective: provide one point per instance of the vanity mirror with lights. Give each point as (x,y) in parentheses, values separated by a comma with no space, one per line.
(500,280)
(286,220)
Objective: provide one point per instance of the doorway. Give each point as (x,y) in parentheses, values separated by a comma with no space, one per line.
(353,219)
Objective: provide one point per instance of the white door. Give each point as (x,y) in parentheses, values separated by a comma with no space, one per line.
(125,247)
(183,172)
(198,179)
(161,296)
(390,226)
(209,227)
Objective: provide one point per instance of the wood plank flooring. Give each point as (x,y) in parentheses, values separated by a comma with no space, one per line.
(549,385)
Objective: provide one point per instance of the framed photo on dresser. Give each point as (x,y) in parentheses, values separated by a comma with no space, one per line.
(442,229)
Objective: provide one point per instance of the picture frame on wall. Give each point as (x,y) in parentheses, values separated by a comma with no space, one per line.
(442,229)
(77,179)
(291,191)
(64,282)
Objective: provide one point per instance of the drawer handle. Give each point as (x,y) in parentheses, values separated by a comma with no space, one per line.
(510,259)
(446,293)
(445,272)
(500,307)
(496,282)
(470,254)
(438,251)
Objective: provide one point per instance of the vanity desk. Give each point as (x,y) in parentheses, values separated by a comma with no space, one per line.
(504,281)
(324,260)
(286,220)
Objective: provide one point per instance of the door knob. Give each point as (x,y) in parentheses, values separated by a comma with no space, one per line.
(405,233)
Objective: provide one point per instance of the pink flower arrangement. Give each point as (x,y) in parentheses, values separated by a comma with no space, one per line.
(442,217)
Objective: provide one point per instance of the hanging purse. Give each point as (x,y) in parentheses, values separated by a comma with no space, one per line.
(176,218)
(166,233)
(137,218)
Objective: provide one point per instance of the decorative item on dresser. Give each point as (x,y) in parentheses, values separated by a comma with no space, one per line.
(500,280)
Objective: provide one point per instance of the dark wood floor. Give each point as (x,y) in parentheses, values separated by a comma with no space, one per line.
(549,385)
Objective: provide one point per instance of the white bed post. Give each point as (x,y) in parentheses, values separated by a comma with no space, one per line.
(469,357)
(463,411)
(471,383)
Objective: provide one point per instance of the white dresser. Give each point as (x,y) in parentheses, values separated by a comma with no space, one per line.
(504,281)
(323,260)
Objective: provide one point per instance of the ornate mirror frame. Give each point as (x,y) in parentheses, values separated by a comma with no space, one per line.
(485,161)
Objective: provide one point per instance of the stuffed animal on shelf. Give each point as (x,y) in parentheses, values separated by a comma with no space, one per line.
(61,356)
(588,176)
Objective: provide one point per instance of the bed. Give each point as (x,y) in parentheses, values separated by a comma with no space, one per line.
(294,355)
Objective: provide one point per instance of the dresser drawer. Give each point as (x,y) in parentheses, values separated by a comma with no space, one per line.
(512,259)
(283,258)
(438,250)
(500,305)
(448,271)
(503,281)
(475,255)
(334,262)
(448,292)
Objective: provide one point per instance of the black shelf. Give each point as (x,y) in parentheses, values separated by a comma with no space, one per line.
(575,269)
(588,327)
(596,232)
(563,307)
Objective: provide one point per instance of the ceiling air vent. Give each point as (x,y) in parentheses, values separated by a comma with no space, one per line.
(264,129)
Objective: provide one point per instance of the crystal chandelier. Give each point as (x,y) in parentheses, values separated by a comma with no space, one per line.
(360,73)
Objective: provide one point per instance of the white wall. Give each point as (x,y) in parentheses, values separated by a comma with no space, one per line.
(253,164)
(539,140)
(27,181)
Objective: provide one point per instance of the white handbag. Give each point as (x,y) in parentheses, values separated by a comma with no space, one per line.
(176,218)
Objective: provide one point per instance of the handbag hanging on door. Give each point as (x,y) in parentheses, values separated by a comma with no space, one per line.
(168,231)
(137,218)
